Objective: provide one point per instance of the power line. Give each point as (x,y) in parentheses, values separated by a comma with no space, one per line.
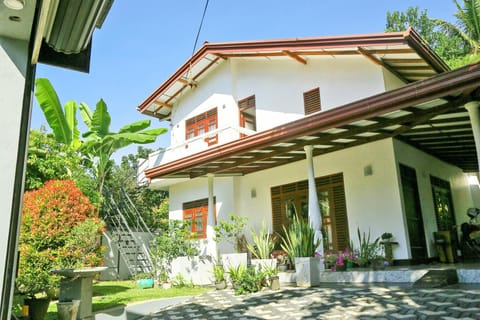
(200,27)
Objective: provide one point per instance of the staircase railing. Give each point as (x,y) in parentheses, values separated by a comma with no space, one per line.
(124,223)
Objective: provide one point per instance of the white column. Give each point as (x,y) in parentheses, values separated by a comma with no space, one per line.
(314,216)
(211,244)
(474,113)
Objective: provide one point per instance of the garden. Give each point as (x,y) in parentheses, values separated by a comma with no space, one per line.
(63,205)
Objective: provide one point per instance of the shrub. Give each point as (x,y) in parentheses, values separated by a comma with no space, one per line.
(174,242)
(59,230)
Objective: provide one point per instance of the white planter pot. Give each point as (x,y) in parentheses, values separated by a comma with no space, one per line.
(307,271)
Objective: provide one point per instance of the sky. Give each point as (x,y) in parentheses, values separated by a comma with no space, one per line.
(142,43)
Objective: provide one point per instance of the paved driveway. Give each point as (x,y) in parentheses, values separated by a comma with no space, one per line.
(332,302)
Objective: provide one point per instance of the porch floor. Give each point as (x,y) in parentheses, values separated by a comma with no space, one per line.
(468,273)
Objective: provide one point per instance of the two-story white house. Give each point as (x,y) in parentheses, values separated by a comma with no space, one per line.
(368,132)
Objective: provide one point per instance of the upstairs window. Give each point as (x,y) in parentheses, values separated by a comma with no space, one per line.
(311,101)
(247,114)
(202,123)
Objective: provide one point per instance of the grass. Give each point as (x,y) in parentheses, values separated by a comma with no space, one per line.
(111,294)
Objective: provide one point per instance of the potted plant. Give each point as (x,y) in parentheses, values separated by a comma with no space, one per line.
(263,244)
(235,274)
(369,250)
(282,261)
(271,274)
(219,275)
(300,245)
(387,242)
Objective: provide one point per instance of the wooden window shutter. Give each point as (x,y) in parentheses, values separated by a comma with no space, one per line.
(311,101)
(247,102)
(341,220)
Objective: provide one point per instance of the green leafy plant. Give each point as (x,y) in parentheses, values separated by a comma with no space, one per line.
(263,243)
(386,236)
(143,275)
(235,273)
(231,230)
(99,142)
(251,280)
(179,281)
(218,272)
(176,241)
(299,240)
(45,244)
(369,250)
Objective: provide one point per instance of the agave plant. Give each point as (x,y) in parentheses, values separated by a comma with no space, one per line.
(263,243)
(299,240)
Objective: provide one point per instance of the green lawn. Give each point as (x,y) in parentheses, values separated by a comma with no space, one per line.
(111,294)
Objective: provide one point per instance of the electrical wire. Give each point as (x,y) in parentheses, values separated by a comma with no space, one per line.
(200,27)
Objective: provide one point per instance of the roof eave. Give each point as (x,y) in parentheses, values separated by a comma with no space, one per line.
(438,86)
(410,37)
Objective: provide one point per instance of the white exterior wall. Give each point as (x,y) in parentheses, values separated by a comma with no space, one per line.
(13,73)
(425,166)
(278,86)
(224,191)
(373,202)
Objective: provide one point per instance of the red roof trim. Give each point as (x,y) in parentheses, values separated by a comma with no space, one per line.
(410,37)
(438,86)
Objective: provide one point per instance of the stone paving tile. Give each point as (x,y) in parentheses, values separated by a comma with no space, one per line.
(331,302)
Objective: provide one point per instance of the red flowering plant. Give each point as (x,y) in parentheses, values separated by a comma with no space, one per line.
(59,230)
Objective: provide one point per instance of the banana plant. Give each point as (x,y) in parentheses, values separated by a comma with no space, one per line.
(62,121)
(99,142)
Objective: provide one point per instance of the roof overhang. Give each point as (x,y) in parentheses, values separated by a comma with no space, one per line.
(405,54)
(427,114)
(61,30)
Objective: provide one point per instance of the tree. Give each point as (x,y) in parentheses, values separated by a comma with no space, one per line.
(63,122)
(47,159)
(100,143)
(445,45)
(467,25)
(151,204)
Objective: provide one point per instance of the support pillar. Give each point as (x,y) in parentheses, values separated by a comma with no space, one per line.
(211,244)
(473,108)
(314,216)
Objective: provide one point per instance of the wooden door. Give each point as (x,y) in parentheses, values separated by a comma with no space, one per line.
(413,214)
